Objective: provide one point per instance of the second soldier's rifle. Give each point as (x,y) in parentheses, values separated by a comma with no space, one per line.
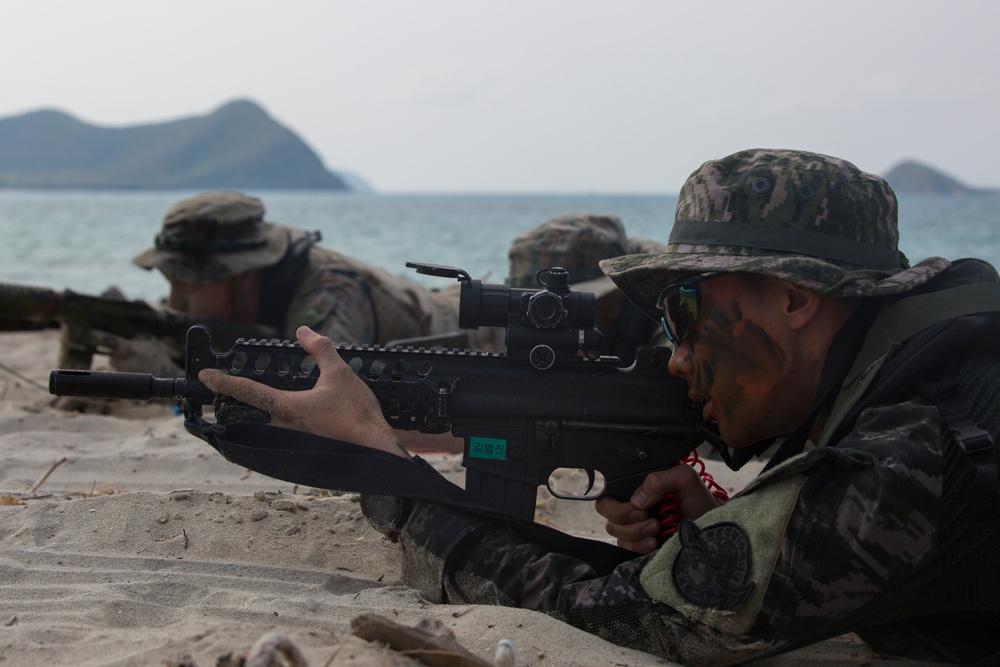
(547,403)
(82,318)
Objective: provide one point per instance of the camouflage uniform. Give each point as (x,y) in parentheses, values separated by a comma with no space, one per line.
(877,530)
(351,302)
(218,235)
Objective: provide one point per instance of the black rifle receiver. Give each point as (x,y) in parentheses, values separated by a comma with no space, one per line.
(553,404)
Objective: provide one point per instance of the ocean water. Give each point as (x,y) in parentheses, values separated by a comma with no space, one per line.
(85,241)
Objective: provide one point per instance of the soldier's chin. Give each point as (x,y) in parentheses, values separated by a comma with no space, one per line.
(734,439)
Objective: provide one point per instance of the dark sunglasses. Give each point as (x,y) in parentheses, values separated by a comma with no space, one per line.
(679,303)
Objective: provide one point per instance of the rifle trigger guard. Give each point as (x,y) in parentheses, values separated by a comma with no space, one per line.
(591,480)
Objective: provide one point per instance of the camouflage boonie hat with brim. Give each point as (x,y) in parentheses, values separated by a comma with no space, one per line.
(214,236)
(813,220)
(575,241)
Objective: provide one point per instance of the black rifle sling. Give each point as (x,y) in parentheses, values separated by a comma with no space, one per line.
(315,461)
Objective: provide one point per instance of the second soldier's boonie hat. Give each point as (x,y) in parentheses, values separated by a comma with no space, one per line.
(214,236)
(575,241)
(813,220)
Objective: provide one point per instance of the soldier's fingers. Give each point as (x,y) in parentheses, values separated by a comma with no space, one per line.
(679,479)
(635,534)
(632,528)
(320,347)
(242,389)
(334,374)
(619,512)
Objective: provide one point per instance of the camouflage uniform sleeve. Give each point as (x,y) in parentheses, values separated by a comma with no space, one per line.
(333,303)
(831,541)
(864,546)
(353,303)
(457,558)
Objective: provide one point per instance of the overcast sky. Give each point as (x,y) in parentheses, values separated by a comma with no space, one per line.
(533,96)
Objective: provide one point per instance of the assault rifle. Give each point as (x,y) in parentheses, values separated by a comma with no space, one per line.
(548,402)
(81,317)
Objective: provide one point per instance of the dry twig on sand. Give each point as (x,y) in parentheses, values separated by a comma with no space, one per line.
(41,480)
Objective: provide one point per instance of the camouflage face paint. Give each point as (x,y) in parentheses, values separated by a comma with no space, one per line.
(739,367)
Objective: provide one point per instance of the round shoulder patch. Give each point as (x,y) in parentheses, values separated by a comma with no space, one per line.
(713,564)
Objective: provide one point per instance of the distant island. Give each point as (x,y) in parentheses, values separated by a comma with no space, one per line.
(237,146)
(915,178)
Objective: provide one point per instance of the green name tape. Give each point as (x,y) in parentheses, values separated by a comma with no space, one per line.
(488,448)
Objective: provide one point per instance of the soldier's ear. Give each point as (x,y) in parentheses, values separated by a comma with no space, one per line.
(800,305)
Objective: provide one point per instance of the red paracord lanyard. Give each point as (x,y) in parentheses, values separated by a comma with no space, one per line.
(668,512)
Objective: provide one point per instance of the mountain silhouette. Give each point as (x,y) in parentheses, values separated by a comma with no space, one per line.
(237,146)
(912,177)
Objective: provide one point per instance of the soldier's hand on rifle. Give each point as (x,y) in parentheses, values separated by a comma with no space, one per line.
(135,355)
(633,524)
(339,406)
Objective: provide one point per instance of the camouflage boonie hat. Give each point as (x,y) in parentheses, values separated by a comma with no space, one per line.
(813,220)
(214,236)
(575,241)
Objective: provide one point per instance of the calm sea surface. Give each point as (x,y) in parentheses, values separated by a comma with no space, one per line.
(85,240)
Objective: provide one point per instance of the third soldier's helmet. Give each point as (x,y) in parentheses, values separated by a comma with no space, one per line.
(575,241)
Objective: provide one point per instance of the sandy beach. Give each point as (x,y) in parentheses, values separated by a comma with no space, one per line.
(126,541)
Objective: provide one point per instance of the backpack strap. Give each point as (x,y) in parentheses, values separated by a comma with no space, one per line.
(975,442)
(894,326)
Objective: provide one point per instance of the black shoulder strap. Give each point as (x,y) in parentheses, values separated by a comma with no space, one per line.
(897,324)
(886,334)
(280,279)
(311,460)
(975,442)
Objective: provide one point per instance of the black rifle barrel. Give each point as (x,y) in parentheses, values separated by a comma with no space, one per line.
(138,386)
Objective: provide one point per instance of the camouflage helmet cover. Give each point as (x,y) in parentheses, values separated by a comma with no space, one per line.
(575,241)
(214,236)
(811,219)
